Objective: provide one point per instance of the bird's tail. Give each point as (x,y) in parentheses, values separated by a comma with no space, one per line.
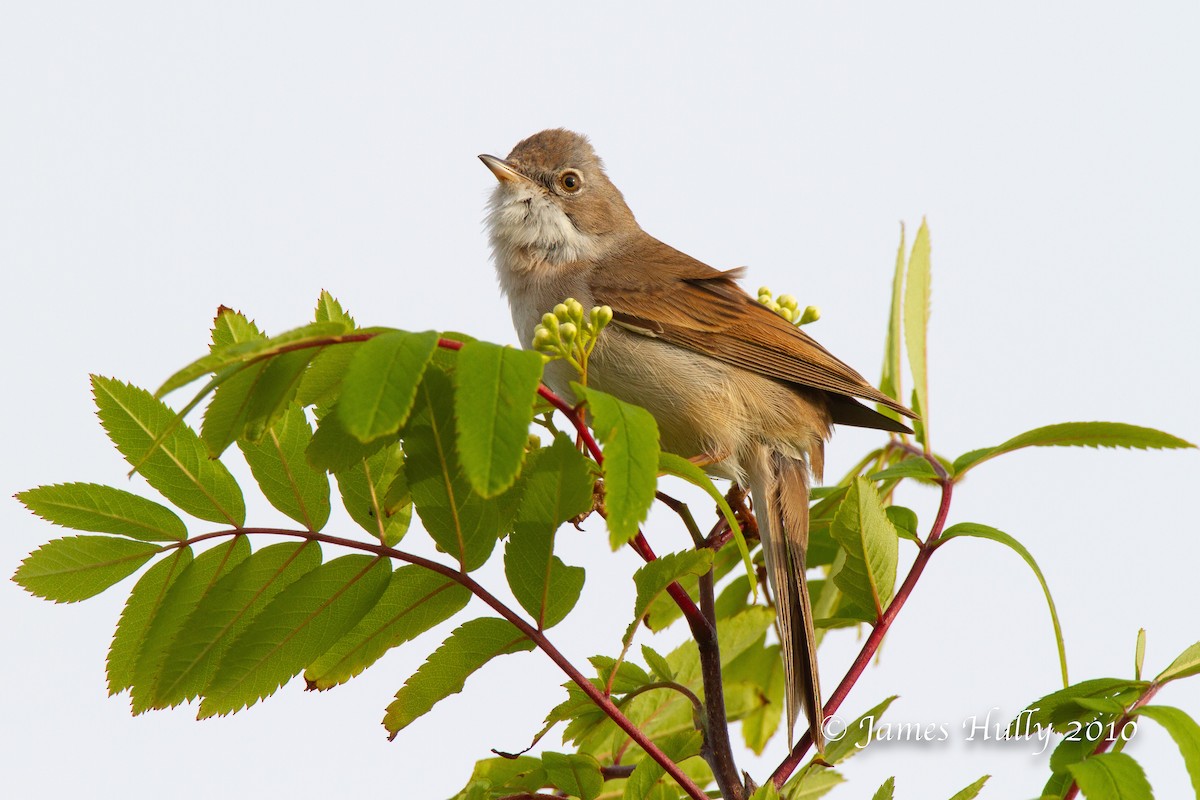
(779,487)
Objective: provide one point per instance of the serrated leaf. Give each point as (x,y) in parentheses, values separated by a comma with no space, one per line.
(333,449)
(283,473)
(1111,776)
(974,529)
(505,775)
(575,774)
(1076,434)
(864,531)
(658,665)
(140,609)
(811,783)
(558,487)
(232,327)
(445,672)
(630,438)
(103,509)
(180,600)
(889,380)
(653,578)
(766,792)
(1186,733)
(462,523)
(763,667)
(297,626)
(886,791)
(179,467)
(622,676)
(664,610)
(415,600)
(905,522)
(857,735)
(648,772)
(1187,664)
(496,389)
(364,489)
(671,464)
(78,567)
(330,310)
(916,324)
(972,791)
(1059,709)
(381,382)
(276,389)
(229,410)
(908,468)
(223,613)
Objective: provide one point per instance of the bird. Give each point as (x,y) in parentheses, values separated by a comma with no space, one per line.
(730,383)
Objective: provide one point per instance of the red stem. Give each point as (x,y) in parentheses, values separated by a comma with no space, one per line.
(871,645)
(532,633)
(1151,690)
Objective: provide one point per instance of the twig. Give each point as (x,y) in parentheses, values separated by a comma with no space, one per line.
(718,749)
(871,645)
(1073,790)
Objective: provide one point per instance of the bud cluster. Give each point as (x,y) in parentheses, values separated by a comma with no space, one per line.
(786,306)
(569,334)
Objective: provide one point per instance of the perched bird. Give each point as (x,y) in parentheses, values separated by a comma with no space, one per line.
(730,383)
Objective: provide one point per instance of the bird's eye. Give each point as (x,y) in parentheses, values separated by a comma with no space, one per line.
(570,181)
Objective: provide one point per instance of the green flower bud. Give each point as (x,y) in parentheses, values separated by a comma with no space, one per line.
(567,332)
(600,317)
(550,322)
(811,314)
(763,290)
(562,312)
(542,339)
(787,301)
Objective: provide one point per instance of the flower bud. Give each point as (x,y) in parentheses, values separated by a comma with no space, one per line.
(764,290)
(542,339)
(600,317)
(811,314)
(550,322)
(567,332)
(787,301)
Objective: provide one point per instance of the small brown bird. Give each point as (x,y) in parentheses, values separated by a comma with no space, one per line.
(729,381)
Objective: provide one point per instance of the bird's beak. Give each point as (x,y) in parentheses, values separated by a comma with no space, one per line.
(504,171)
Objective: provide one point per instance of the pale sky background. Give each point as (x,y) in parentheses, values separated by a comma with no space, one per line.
(159,159)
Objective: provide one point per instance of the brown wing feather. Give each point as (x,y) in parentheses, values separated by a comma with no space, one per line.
(702,309)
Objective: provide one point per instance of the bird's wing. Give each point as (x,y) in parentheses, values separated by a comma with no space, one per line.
(688,303)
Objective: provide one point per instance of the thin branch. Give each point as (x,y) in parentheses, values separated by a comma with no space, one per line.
(718,750)
(672,685)
(532,633)
(1151,690)
(685,514)
(871,645)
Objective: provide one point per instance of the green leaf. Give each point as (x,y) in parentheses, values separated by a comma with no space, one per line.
(78,567)
(766,792)
(857,735)
(229,410)
(276,389)
(623,676)
(916,323)
(445,672)
(886,791)
(1187,664)
(299,624)
(905,522)
(630,438)
(1186,733)
(415,600)
(333,449)
(364,489)
(1111,776)
(915,467)
(664,610)
(653,578)
(557,487)
(498,776)
(223,613)
(864,531)
(1139,653)
(1076,434)
(172,614)
(381,383)
(496,389)
(763,667)
(576,774)
(103,509)
(179,467)
(658,665)
(232,327)
(972,791)
(1059,709)
(648,772)
(811,783)
(140,609)
(462,523)
(671,464)
(889,380)
(284,475)
(323,379)
(975,530)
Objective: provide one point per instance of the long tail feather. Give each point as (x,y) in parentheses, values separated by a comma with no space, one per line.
(780,490)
